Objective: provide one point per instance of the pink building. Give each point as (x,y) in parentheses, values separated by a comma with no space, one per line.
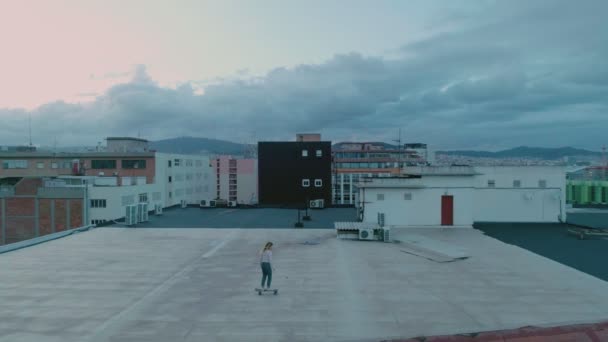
(236,179)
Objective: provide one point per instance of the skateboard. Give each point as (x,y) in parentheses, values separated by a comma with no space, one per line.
(259,291)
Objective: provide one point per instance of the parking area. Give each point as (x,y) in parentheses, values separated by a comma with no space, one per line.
(193,217)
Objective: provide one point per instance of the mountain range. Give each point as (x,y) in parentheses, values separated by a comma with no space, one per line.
(193,145)
(526,152)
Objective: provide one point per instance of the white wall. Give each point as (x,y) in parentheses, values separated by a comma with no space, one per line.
(424,209)
(114,199)
(473,199)
(517,205)
(529,203)
(247,188)
(201,185)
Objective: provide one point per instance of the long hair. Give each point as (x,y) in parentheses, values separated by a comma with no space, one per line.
(267,246)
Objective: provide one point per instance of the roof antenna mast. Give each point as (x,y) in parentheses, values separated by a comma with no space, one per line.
(30,128)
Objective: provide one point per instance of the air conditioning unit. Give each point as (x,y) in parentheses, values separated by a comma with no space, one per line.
(317,204)
(232,204)
(366,234)
(158,209)
(183,204)
(131,215)
(386,235)
(142,212)
(381,219)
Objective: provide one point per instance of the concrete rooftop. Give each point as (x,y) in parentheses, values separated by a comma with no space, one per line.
(114,284)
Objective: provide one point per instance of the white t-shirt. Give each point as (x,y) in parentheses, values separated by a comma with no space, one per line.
(266,256)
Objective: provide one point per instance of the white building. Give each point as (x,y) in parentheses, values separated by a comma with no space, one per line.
(460,196)
(184,177)
(177,178)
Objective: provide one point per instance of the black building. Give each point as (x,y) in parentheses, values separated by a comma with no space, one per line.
(294,173)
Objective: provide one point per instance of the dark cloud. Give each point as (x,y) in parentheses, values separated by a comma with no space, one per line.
(506,74)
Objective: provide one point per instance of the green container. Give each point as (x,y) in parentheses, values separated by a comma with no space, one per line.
(569,192)
(584,194)
(604,192)
(597,193)
(576,192)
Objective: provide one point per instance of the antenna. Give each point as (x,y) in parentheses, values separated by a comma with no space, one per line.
(398,141)
(30,127)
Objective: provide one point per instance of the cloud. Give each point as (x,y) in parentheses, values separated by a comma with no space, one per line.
(506,74)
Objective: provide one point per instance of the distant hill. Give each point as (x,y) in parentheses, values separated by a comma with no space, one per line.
(526,152)
(191,145)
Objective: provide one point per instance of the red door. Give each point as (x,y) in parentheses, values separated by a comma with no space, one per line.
(447,210)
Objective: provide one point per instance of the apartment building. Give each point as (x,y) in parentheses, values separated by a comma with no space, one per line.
(353,161)
(126,172)
(236,179)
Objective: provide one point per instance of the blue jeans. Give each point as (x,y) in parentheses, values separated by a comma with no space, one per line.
(266,274)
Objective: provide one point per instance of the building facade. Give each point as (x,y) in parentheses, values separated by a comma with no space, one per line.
(236,179)
(460,196)
(353,161)
(294,173)
(118,176)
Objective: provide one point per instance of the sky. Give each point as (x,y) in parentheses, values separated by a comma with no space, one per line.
(469,74)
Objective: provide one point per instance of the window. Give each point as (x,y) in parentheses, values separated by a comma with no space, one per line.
(170,194)
(169,163)
(517,183)
(143,198)
(54,165)
(491,183)
(40,165)
(407,196)
(15,164)
(189,162)
(199,163)
(542,183)
(98,222)
(170,179)
(176,162)
(133,164)
(318,183)
(304,153)
(305,183)
(98,203)
(380,197)
(103,164)
(319,153)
